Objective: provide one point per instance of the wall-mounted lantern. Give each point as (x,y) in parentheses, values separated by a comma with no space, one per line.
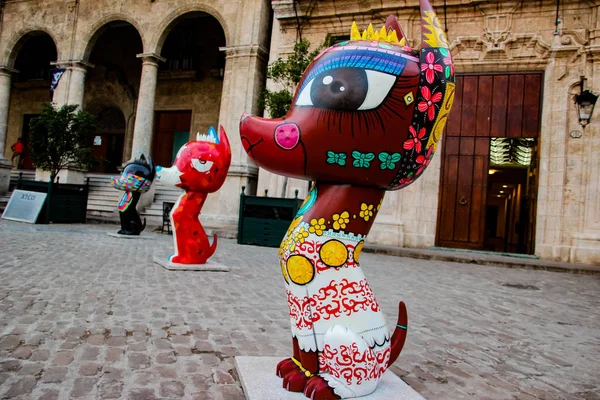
(585,102)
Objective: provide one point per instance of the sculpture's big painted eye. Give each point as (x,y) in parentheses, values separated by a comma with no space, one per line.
(201,165)
(346,89)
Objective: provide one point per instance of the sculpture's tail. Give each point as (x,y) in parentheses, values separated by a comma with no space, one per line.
(213,246)
(399,336)
(143,226)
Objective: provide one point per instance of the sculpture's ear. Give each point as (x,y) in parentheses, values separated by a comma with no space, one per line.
(150,163)
(224,142)
(142,157)
(392,23)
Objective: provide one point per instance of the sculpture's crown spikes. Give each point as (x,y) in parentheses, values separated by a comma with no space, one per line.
(383,35)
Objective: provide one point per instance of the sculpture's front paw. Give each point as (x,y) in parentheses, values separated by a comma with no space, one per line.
(295,381)
(176,259)
(285,367)
(318,389)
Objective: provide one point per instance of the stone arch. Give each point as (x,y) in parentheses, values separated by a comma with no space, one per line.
(165,27)
(99,27)
(98,104)
(17,41)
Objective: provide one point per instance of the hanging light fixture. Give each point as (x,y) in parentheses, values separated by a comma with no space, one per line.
(585,102)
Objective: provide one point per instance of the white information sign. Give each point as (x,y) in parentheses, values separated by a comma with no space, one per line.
(24,206)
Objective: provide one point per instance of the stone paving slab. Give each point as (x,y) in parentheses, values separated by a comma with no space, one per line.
(259,381)
(83,315)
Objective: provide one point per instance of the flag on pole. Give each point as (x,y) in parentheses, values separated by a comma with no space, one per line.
(57,73)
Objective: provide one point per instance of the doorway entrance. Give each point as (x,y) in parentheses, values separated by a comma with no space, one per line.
(489,164)
(172,131)
(107,144)
(26,162)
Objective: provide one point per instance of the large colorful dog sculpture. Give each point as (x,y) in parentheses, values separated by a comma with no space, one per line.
(200,168)
(366,118)
(135,179)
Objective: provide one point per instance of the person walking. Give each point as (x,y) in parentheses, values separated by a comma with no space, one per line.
(18,149)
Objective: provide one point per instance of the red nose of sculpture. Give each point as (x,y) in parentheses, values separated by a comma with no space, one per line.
(287,136)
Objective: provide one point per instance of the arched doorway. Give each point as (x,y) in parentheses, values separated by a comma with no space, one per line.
(115,76)
(34,54)
(107,143)
(190,83)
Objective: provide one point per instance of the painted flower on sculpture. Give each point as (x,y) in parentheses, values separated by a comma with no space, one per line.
(301,235)
(336,158)
(415,140)
(285,245)
(340,220)
(362,160)
(429,103)
(317,226)
(388,161)
(366,211)
(407,180)
(424,160)
(430,67)
(449,70)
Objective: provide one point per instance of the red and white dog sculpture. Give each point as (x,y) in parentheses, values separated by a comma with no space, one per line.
(200,168)
(366,118)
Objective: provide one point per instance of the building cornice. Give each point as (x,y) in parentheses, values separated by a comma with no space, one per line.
(248,50)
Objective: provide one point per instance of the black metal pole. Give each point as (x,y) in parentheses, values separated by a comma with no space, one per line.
(445,19)
(556,20)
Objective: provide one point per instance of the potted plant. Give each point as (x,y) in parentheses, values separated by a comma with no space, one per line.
(59,139)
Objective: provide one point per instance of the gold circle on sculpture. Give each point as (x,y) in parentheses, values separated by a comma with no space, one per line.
(358,250)
(300,270)
(438,129)
(333,253)
(451,89)
(284,272)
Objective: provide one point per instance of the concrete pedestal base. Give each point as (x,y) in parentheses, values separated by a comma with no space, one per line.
(210,265)
(259,381)
(117,235)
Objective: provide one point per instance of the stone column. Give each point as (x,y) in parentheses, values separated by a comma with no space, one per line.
(77,83)
(71,87)
(5,165)
(244,75)
(144,117)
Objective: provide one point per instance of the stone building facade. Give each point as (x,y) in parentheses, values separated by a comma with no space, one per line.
(513,59)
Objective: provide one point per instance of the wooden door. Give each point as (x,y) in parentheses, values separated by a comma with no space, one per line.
(26,162)
(485,106)
(167,123)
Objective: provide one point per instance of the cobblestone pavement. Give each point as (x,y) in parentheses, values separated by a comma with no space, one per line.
(85,315)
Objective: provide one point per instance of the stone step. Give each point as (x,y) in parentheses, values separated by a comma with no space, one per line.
(106,208)
(152,211)
(105,194)
(103,203)
(160,190)
(161,199)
